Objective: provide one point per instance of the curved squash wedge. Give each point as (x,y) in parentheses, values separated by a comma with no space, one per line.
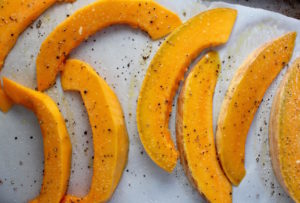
(284,132)
(210,28)
(145,14)
(110,139)
(5,102)
(194,131)
(16,15)
(242,99)
(57,145)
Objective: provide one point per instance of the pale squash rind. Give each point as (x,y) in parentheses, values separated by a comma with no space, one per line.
(286,102)
(194,131)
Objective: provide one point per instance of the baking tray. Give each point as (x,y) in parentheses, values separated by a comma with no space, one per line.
(121,55)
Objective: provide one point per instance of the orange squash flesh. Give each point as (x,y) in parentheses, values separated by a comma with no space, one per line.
(242,99)
(194,131)
(57,145)
(284,132)
(110,138)
(145,14)
(210,28)
(16,16)
(5,102)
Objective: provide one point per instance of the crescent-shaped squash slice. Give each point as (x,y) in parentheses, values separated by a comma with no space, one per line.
(242,99)
(210,28)
(284,132)
(5,102)
(57,145)
(145,14)
(15,16)
(110,139)
(194,131)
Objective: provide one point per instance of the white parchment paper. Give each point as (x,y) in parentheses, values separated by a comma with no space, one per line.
(117,54)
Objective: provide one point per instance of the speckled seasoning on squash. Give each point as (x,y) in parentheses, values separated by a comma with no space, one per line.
(194,131)
(284,132)
(207,29)
(242,99)
(15,17)
(110,139)
(57,145)
(145,14)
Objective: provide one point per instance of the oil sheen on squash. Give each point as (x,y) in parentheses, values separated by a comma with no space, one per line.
(284,132)
(110,139)
(194,131)
(16,16)
(207,29)
(242,99)
(145,14)
(57,145)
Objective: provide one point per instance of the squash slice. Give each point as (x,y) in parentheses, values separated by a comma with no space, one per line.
(242,99)
(110,139)
(210,28)
(5,102)
(145,14)
(57,145)
(16,15)
(284,132)
(194,131)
